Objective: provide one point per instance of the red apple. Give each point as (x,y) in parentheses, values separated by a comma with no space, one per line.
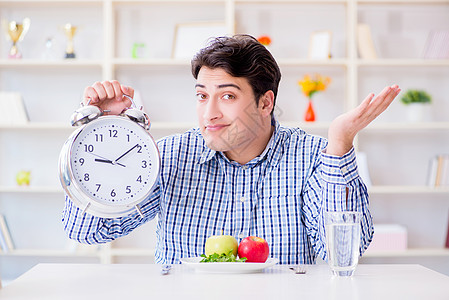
(254,248)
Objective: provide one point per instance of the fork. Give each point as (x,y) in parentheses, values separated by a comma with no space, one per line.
(165,269)
(298,269)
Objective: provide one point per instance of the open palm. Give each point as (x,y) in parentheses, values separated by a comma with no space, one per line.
(345,127)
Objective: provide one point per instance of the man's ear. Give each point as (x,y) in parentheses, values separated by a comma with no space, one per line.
(266,103)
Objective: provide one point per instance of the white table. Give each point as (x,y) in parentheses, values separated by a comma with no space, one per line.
(95,281)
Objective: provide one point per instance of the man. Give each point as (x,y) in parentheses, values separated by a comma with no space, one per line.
(240,172)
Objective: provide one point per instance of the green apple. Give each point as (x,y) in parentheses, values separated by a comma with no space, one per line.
(23,177)
(221,244)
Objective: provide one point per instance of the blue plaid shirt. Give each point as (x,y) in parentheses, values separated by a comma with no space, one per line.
(280,195)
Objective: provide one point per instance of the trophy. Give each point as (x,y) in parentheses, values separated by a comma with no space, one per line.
(16,32)
(69,30)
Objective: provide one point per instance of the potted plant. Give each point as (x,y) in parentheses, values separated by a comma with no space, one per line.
(417,102)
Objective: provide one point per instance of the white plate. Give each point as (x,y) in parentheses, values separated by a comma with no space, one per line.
(227,267)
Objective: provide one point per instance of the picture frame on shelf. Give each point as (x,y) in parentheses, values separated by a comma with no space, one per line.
(320,44)
(190,37)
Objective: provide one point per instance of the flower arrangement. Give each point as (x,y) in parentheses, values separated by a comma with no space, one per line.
(309,86)
(264,40)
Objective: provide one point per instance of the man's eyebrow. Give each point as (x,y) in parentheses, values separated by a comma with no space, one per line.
(220,86)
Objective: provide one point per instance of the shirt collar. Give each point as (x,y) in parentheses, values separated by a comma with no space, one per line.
(208,153)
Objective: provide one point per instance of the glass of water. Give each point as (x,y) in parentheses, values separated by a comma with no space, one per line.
(343,241)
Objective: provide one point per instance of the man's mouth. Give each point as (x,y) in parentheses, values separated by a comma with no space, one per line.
(215,127)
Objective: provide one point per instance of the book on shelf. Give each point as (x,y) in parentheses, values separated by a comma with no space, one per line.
(438,171)
(437,45)
(6,242)
(12,109)
(365,42)
(447,235)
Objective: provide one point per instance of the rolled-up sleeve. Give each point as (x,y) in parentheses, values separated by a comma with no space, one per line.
(342,189)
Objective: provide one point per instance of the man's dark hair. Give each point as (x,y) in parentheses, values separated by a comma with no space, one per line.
(241,56)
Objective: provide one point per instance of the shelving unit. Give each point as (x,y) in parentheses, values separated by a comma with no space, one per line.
(398,151)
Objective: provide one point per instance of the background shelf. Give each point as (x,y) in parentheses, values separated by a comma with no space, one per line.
(398,151)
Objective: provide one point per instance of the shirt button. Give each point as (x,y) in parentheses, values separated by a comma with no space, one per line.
(243,199)
(344,170)
(241,235)
(245,167)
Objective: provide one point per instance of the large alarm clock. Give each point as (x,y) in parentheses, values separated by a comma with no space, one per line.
(110,164)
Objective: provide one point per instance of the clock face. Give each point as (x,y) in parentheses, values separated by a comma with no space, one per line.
(114,161)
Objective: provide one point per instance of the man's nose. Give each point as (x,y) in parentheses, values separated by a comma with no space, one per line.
(212,110)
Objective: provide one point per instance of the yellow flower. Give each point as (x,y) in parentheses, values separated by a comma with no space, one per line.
(310,85)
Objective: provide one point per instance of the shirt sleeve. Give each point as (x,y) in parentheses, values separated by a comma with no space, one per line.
(335,185)
(89,229)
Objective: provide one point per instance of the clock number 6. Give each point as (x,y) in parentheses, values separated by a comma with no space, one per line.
(113,193)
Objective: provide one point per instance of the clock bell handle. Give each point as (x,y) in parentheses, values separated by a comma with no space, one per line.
(137,114)
(85,113)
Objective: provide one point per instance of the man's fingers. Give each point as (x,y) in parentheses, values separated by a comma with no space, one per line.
(127,90)
(380,103)
(90,94)
(99,89)
(117,90)
(109,89)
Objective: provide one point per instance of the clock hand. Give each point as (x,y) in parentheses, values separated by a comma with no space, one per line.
(104,159)
(109,162)
(126,153)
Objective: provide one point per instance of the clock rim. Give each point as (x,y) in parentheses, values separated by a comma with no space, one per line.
(84,201)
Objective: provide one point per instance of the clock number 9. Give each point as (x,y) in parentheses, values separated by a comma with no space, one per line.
(81,160)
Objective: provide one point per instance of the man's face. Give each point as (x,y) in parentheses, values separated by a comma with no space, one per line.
(228,116)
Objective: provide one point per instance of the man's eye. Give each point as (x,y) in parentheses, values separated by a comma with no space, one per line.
(200,96)
(228,97)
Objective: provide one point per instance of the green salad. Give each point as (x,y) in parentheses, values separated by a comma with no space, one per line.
(230,257)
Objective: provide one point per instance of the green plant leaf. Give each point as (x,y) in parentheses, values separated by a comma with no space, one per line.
(416,96)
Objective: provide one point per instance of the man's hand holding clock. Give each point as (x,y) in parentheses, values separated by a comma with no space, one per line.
(108,96)
(109,165)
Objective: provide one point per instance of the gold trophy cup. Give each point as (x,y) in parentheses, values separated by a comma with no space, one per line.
(16,32)
(70,31)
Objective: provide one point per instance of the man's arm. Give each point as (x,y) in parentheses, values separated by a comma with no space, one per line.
(335,185)
(88,229)
(345,127)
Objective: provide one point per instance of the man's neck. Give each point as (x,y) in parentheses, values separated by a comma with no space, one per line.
(253,149)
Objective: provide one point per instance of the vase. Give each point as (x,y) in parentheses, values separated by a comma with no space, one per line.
(418,112)
(310,112)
